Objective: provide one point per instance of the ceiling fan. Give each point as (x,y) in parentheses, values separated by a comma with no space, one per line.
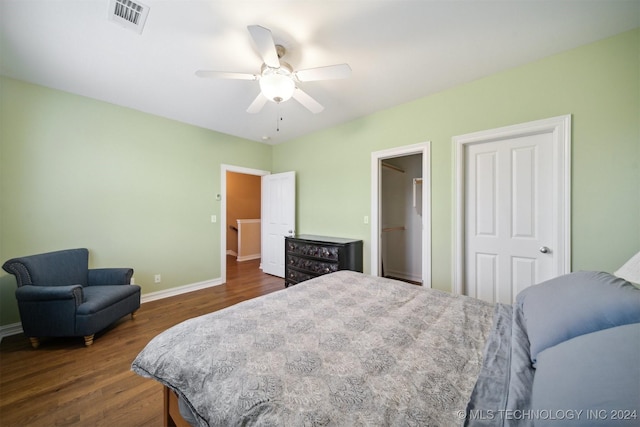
(278,81)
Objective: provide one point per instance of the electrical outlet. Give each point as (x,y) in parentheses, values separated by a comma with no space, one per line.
(157,278)
(366,219)
(214,218)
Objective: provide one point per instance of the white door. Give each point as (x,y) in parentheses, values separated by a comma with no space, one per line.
(278,219)
(515,201)
(509,204)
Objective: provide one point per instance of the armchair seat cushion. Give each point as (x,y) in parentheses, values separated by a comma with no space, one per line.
(97,298)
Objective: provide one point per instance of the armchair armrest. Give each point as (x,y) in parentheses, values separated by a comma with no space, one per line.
(49,293)
(109,276)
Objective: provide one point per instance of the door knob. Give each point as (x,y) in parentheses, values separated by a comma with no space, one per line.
(545,250)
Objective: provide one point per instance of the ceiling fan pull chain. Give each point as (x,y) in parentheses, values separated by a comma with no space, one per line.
(278,119)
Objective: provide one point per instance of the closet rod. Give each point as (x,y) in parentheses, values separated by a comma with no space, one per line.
(395,168)
(384,230)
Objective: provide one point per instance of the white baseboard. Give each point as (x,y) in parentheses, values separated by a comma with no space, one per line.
(232,253)
(248,257)
(180,290)
(16,328)
(11,329)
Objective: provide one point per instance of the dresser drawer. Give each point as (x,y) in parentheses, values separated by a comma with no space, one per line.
(310,265)
(313,250)
(294,276)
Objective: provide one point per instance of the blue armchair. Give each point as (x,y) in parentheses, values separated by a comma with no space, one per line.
(59,296)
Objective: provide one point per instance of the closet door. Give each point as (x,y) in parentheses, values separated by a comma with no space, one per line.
(515,205)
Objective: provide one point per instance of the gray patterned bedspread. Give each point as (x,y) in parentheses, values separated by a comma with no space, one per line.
(345,349)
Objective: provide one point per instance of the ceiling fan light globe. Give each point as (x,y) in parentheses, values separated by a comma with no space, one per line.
(277,87)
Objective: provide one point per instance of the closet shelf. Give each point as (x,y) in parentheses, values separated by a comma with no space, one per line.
(385,230)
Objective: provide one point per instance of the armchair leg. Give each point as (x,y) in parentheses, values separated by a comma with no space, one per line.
(35,342)
(133,314)
(88,340)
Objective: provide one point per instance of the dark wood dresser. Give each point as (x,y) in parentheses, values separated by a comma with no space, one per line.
(309,256)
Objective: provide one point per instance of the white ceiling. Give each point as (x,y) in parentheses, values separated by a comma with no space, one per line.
(399,50)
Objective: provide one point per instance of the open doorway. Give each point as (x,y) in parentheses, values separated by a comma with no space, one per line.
(243,216)
(401,218)
(230,178)
(401,213)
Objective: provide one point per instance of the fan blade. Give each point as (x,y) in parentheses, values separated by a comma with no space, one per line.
(265,44)
(257,104)
(330,72)
(308,102)
(225,75)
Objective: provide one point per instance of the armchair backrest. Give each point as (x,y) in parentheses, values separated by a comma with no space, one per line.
(66,267)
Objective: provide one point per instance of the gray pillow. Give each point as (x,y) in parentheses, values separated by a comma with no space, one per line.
(576,304)
(630,270)
(593,379)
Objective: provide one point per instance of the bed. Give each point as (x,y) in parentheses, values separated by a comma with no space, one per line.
(348,349)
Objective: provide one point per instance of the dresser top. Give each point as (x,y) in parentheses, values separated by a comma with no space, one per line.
(324,239)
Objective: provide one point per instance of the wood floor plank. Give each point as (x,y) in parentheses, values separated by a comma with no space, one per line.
(64,383)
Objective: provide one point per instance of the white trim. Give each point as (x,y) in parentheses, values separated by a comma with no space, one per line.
(248,257)
(223,210)
(11,329)
(560,127)
(423,148)
(172,292)
(16,328)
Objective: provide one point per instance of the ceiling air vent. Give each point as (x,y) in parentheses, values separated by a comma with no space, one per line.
(129,14)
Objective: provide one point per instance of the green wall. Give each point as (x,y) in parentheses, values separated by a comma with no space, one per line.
(136,189)
(598,84)
(139,190)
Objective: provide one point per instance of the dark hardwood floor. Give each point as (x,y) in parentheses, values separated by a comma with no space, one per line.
(65,383)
